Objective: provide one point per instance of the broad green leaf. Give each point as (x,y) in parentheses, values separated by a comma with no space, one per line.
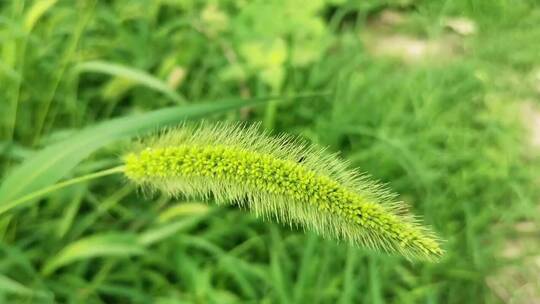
(100,245)
(136,76)
(49,165)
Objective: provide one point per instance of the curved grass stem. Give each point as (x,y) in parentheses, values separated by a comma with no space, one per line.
(36,194)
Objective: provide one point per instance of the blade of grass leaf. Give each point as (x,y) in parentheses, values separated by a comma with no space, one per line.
(36,11)
(157,234)
(278,266)
(140,77)
(8,285)
(186,209)
(349,277)
(110,244)
(307,271)
(375,292)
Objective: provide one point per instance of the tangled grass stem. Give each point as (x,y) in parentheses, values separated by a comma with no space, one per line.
(280,177)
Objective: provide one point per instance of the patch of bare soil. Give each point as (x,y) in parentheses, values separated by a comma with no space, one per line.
(520,281)
(383,38)
(531,115)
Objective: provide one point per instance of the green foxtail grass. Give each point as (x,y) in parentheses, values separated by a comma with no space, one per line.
(281,178)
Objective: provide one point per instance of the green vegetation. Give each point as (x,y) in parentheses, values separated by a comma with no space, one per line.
(431,97)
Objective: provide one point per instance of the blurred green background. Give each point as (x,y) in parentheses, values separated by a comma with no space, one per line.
(438,99)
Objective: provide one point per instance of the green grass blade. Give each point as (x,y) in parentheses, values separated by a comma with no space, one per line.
(155,235)
(111,244)
(10,286)
(36,12)
(349,277)
(307,271)
(52,163)
(186,209)
(140,77)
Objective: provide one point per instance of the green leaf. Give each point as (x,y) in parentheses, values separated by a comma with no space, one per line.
(36,12)
(8,285)
(54,162)
(137,76)
(183,209)
(114,244)
(155,235)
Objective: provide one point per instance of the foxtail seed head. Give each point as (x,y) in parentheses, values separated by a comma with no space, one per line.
(281,178)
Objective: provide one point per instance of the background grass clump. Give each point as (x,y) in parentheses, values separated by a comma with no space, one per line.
(439,99)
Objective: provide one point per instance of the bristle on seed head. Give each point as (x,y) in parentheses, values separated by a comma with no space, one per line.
(281,178)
